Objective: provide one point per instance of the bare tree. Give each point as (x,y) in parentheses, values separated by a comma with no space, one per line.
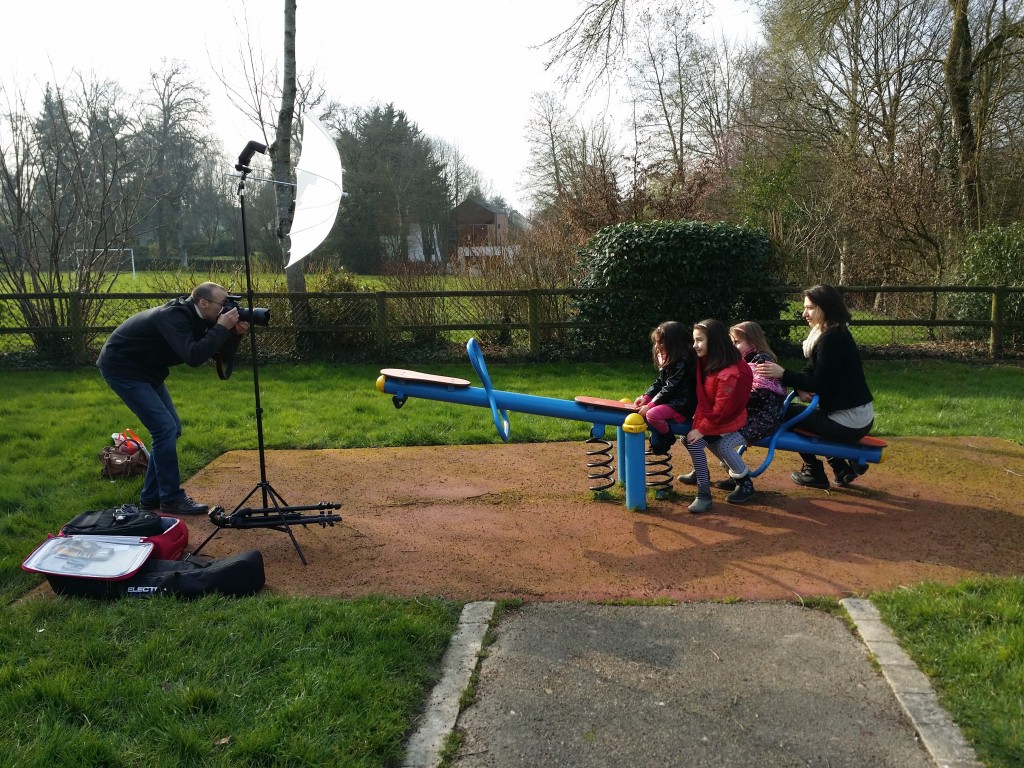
(546,130)
(461,177)
(176,128)
(855,86)
(575,169)
(593,48)
(687,92)
(281,151)
(973,78)
(72,181)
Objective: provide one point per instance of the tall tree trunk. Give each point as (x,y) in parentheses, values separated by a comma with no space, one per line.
(284,191)
(959,73)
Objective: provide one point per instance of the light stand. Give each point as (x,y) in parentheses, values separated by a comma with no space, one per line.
(275,513)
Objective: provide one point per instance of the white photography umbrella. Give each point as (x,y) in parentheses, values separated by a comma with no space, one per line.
(318,190)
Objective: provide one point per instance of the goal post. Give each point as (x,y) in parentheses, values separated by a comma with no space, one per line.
(123,257)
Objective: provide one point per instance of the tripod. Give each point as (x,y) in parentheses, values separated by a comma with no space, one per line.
(275,513)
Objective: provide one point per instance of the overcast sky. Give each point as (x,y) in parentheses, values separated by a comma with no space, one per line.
(463,70)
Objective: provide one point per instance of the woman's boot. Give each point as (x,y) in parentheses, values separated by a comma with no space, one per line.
(843,470)
(811,475)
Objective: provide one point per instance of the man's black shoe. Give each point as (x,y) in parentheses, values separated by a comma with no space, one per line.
(811,477)
(184,506)
(149,506)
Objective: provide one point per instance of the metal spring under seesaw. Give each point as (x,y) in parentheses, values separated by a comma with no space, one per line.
(658,471)
(600,463)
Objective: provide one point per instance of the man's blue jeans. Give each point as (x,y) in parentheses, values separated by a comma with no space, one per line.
(152,404)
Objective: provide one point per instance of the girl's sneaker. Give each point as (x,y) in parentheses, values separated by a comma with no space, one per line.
(701,504)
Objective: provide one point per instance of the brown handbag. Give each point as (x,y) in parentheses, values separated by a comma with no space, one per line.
(116,463)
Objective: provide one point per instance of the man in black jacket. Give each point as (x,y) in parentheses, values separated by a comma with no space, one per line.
(136,360)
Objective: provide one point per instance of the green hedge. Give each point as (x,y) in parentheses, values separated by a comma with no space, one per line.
(689,270)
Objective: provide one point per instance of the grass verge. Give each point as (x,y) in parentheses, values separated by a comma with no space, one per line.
(969,639)
(216,682)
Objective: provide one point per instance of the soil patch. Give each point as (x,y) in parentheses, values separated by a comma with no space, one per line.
(495,521)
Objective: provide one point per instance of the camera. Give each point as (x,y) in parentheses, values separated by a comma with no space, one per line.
(256,316)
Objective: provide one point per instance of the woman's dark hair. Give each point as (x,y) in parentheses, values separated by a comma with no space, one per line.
(672,336)
(830,302)
(721,351)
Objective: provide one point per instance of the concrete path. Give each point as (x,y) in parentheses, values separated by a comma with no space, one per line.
(696,684)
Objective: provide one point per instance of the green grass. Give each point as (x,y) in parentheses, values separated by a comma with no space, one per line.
(215,682)
(969,639)
(189,676)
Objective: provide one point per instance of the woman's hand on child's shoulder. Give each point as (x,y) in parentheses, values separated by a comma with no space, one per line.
(771,370)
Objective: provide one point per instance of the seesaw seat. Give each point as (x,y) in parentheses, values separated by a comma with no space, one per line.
(426,378)
(603,402)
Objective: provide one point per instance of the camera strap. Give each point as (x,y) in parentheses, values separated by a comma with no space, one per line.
(225,359)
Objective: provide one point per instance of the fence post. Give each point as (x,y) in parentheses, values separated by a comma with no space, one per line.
(381,321)
(533,304)
(995,339)
(76,328)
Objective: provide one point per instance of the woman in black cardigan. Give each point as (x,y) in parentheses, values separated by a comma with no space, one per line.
(833,372)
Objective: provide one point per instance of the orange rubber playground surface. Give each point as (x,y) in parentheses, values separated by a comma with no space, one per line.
(498,521)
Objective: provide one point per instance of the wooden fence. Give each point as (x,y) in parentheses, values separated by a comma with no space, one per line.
(69,328)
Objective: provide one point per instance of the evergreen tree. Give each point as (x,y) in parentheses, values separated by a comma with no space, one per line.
(395,189)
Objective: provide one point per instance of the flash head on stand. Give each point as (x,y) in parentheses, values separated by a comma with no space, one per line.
(246,157)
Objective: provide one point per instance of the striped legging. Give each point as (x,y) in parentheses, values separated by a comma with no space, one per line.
(726,447)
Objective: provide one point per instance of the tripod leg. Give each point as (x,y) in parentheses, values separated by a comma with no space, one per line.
(242,502)
(205,542)
(295,543)
(278,504)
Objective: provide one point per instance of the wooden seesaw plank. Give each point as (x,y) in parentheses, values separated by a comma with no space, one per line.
(426,378)
(602,402)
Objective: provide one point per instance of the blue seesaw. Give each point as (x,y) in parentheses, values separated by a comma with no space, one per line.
(601,413)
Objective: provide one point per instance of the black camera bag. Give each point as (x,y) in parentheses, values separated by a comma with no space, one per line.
(127,520)
(239,575)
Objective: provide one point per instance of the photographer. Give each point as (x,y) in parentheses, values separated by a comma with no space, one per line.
(135,361)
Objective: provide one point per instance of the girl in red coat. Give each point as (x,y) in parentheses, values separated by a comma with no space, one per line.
(723,388)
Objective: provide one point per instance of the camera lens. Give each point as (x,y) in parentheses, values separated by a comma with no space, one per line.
(257,316)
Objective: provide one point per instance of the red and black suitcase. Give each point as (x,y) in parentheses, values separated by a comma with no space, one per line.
(112,567)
